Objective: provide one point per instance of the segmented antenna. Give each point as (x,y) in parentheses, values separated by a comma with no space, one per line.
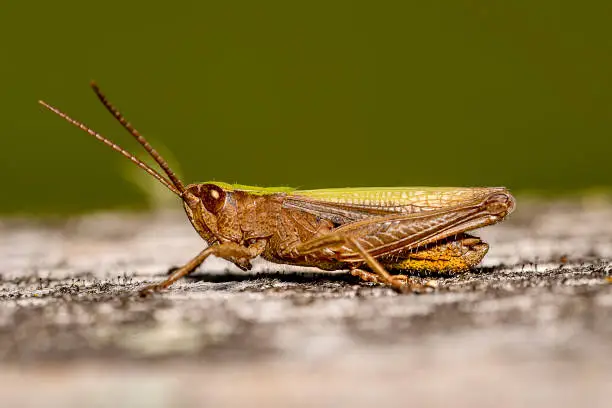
(140,138)
(115,147)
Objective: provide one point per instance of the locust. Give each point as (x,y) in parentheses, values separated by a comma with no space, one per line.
(376,234)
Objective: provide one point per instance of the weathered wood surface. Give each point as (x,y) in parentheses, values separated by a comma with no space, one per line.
(533,326)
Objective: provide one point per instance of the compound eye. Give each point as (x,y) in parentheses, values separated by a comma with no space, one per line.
(213,197)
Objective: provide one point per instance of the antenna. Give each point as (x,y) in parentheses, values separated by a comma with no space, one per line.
(119,149)
(140,138)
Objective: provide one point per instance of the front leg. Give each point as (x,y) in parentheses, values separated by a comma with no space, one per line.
(231,251)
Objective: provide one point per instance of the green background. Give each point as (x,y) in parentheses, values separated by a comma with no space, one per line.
(306,94)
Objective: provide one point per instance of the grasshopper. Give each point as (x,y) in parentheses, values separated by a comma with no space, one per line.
(367,231)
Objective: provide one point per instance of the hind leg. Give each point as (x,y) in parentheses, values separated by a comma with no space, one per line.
(400,282)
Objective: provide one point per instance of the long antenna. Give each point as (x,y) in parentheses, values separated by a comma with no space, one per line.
(140,138)
(114,146)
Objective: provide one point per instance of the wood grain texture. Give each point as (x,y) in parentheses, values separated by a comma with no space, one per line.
(531,327)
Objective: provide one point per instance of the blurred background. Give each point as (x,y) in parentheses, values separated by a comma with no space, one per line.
(305,94)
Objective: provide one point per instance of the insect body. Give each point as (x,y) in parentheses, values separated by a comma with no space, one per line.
(367,231)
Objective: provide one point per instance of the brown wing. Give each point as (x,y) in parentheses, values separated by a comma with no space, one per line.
(389,234)
(347,205)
